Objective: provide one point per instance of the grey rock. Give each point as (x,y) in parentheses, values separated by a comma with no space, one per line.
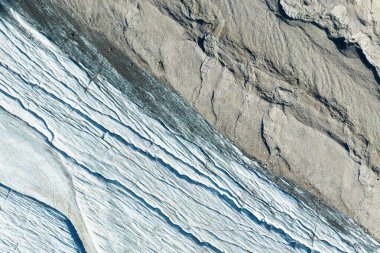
(351,22)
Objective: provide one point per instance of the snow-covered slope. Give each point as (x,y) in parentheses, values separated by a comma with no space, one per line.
(27,225)
(86,165)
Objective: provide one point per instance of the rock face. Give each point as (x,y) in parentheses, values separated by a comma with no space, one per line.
(292,83)
(88,166)
(354,23)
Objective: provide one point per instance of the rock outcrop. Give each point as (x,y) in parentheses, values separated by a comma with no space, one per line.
(353,23)
(87,166)
(294,84)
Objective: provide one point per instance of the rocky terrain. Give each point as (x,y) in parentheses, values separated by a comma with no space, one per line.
(293,83)
(94,161)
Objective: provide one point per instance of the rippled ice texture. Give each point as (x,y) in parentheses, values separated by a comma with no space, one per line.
(81,165)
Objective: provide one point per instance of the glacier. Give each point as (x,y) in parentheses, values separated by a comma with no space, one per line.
(85,166)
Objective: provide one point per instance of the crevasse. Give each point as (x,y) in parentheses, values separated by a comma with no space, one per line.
(83,168)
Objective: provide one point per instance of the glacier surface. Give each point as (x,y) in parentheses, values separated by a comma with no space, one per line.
(85,169)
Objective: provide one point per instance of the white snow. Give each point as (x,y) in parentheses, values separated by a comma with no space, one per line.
(126,182)
(27,225)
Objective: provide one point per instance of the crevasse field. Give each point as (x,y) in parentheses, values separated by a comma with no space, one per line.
(83,168)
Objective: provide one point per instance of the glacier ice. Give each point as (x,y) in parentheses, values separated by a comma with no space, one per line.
(83,168)
(28,225)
